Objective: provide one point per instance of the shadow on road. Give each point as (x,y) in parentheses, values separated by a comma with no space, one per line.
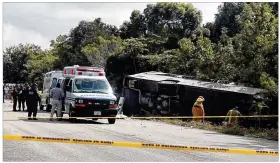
(63,121)
(25,111)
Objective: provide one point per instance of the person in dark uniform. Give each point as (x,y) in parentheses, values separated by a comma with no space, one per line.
(15,96)
(25,94)
(21,98)
(32,102)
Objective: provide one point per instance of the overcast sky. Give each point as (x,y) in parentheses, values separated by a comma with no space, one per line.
(39,23)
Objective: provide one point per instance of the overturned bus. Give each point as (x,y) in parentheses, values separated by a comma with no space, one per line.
(170,94)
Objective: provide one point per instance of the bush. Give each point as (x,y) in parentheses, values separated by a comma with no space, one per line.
(235,130)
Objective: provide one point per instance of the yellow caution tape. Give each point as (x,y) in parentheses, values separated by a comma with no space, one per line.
(160,117)
(139,145)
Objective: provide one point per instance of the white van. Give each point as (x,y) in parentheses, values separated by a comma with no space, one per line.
(50,81)
(88,94)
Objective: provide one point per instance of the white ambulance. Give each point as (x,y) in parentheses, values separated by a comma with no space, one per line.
(88,93)
(50,81)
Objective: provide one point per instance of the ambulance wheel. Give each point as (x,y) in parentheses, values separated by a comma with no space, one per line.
(41,107)
(112,121)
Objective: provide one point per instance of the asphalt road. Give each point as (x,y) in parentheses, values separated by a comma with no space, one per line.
(124,130)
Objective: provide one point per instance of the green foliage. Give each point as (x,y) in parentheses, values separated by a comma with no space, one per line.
(97,53)
(40,63)
(166,19)
(255,41)
(15,62)
(226,19)
(269,83)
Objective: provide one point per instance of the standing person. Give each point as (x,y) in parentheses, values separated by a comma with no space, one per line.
(32,101)
(20,98)
(14,96)
(56,95)
(198,109)
(25,94)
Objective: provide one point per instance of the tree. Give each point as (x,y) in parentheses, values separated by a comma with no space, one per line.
(40,63)
(204,58)
(135,28)
(15,62)
(134,48)
(63,49)
(226,19)
(225,60)
(172,19)
(255,42)
(98,53)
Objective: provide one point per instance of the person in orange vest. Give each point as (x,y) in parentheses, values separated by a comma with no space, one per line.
(198,109)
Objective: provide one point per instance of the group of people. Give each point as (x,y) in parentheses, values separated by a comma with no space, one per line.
(7,89)
(199,113)
(23,93)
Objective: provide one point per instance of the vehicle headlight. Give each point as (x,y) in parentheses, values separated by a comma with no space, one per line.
(81,101)
(112,102)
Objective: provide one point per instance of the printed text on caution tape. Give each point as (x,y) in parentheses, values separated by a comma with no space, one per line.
(139,145)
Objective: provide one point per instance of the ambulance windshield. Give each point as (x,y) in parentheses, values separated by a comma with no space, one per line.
(92,86)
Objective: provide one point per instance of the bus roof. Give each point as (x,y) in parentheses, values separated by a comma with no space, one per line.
(159,76)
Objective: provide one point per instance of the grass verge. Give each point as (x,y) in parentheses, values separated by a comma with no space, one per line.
(271,134)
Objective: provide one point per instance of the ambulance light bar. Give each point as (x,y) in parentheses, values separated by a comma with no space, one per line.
(89,69)
(90,74)
(86,71)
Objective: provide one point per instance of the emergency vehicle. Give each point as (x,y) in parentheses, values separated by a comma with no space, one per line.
(50,81)
(87,93)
